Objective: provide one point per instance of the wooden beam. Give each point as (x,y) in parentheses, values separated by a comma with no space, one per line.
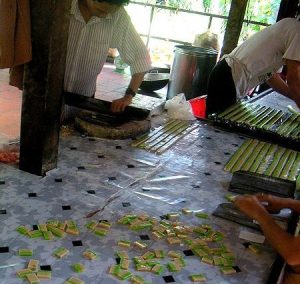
(234,25)
(43,86)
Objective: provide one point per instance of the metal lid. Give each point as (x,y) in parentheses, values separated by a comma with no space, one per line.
(195,50)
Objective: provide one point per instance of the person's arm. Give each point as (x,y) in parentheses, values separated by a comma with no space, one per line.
(293,80)
(287,245)
(290,88)
(132,51)
(278,84)
(120,104)
(274,204)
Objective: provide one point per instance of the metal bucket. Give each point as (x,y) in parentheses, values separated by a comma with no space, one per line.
(190,71)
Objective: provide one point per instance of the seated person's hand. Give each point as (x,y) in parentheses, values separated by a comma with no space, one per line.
(272,203)
(119,105)
(250,206)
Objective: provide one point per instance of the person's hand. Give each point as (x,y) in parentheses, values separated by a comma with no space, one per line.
(250,206)
(272,203)
(119,105)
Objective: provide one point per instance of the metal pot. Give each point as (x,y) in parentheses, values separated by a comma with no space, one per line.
(154,81)
(190,71)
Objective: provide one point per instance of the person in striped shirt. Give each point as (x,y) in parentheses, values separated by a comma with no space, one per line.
(96,26)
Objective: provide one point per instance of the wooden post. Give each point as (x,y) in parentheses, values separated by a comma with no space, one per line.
(234,25)
(43,86)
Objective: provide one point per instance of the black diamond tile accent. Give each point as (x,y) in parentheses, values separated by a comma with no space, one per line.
(58,180)
(163,217)
(112,178)
(246,244)
(126,204)
(4,249)
(207,174)
(92,139)
(100,156)
(196,186)
(103,221)
(66,207)
(218,163)
(73,148)
(227,153)
(77,243)
(81,168)
(130,166)
(235,145)
(2,181)
(145,189)
(118,260)
(242,137)
(144,237)
(208,138)
(217,131)
(91,191)
(46,267)
(169,279)
(35,227)
(188,252)
(236,268)
(3,211)
(32,194)
(118,147)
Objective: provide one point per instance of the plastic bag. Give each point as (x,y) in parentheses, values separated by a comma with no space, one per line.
(179,108)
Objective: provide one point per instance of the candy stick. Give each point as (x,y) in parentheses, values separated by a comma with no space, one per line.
(89,254)
(246,154)
(198,278)
(157,269)
(44,275)
(275,161)
(33,265)
(295,168)
(288,165)
(32,278)
(25,252)
(60,252)
(230,109)
(228,167)
(74,280)
(22,273)
(78,267)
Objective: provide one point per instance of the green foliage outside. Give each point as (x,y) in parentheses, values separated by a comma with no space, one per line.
(173,25)
(263,11)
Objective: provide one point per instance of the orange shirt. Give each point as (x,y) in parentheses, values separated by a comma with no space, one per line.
(15,39)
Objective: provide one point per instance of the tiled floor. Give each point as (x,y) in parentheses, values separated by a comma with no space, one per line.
(112,84)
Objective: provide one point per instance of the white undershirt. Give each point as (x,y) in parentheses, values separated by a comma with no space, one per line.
(259,57)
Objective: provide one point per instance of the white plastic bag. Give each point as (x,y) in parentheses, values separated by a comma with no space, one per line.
(179,108)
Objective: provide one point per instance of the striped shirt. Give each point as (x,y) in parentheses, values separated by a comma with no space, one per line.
(88,46)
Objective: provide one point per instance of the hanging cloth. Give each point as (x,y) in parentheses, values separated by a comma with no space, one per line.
(15,38)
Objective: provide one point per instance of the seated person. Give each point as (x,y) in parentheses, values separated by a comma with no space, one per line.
(258,207)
